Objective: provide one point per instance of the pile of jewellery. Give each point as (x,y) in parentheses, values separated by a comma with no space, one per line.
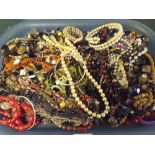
(77,80)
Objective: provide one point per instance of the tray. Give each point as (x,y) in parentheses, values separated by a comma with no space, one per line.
(23,28)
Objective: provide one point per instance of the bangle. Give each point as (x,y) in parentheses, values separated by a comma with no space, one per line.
(94,41)
(58,82)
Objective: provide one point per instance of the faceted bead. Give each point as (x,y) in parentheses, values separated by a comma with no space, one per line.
(1,116)
(142,60)
(143,78)
(145,39)
(103,32)
(141,48)
(127,32)
(134,90)
(144,86)
(111,32)
(127,102)
(57,52)
(120,112)
(4,47)
(146,68)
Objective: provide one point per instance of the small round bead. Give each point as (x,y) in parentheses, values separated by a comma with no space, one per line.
(98,116)
(94,114)
(107,108)
(89,112)
(76,99)
(106,111)
(79,103)
(103,114)
(106,103)
(83,106)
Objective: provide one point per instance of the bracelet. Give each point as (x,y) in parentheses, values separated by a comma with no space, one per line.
(73,34)
(58,82)
(16,122)
(94,41)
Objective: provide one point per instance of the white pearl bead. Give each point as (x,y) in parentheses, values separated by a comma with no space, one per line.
(79,103)
(106,103)
(107,108)
(83,106)
(103,114)
(94,114)
(86,110)
(77,99)
(98,116)
(89,112)
(106,112)
(100,91)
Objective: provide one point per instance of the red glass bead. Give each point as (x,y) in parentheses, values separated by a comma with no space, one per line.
(13,101)
(25,106)
(21,128)
(69,128)
(12,125)
(37,122)
(6,113)
(18,122)
(81,129)
(120,46)
(16,114)
(31,119)
(4,122)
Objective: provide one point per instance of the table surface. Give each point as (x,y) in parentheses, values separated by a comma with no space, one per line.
(139,129)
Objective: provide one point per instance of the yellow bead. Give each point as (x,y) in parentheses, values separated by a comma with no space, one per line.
(62,104)
(59,33)
(98,116)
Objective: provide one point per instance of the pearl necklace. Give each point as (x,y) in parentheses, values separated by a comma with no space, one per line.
(95,41)
(70,49)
